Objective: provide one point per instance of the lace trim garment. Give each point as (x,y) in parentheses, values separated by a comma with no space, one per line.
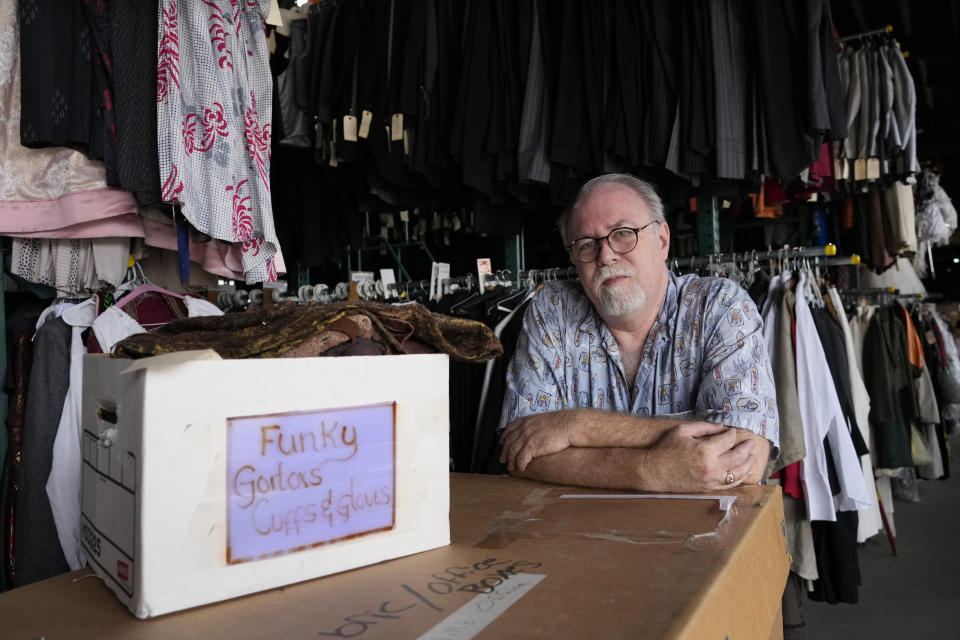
(49,188)
(214,112)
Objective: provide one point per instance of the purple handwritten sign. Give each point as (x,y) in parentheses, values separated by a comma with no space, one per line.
(299,480)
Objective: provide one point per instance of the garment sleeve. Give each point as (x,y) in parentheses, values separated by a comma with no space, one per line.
(535,376)
(736,387)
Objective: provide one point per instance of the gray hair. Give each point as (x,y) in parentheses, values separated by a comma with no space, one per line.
(644,190)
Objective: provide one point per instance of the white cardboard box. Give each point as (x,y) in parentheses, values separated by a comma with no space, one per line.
(207,479)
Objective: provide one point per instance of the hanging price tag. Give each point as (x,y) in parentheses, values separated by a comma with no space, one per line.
(396,128)
(484,269)
(350,128)
(860,169)
(365,120)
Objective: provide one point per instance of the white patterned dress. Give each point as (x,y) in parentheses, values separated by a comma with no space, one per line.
(213,115)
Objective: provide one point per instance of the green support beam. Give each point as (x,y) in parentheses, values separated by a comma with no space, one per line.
(708,227)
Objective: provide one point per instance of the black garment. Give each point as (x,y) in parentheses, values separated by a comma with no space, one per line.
(21,325)
(66,90)
(835,349)
(837,562)
(487,456)
(133,40)
(466,380)
(886,377)
(785,85)
(697,106)
(471,118)
(625,96)
(661,37)
(315,220)
(37,551)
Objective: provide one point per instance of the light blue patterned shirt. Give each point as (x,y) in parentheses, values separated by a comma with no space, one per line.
(704,354)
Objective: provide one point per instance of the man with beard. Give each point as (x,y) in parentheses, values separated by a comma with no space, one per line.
(633,377)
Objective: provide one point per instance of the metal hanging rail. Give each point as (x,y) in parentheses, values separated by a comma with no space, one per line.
(786,253)
(865,34)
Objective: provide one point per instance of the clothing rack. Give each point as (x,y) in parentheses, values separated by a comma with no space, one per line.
(828,252)
(881,292)
(865,34)
(376,289)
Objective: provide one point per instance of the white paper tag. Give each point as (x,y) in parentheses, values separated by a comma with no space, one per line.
(873,168)
(389,283)
(484,268)
(443,274)
(365,119)
(333,153)
(860,169)
(361,276)
(396,127)
(350,128)
(434,272)
(404,216)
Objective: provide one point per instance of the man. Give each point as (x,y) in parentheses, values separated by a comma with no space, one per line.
(633,377)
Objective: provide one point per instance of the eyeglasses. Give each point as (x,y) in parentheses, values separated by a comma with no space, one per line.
(620,240)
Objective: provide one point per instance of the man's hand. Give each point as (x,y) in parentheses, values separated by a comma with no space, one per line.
(697,456)
(533,436)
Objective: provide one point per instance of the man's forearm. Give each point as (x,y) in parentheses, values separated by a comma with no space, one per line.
(607,467)
(595,428)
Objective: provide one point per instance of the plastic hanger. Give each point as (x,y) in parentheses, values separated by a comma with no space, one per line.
(143,285)
(82,314)
(141,290)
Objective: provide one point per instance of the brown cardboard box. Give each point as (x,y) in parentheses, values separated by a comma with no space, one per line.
(524,562)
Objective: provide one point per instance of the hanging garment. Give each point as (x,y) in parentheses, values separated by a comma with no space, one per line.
(803,557)
(823,420)
(792,445)
(831,337)
(214,112)
(533,143)
(900,216)
(71,266)
(67,90)
(21,324)
(48,188)
(133,41)
(297,127)
(870,522)
(729,55)
(37,551)
(887,378)
(63,482)
(838,563)
(815,413)
(929,418)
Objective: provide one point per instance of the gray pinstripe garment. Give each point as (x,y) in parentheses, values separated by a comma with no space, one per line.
(729,63)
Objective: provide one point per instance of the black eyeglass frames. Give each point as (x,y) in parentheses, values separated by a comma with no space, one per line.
(620,240)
